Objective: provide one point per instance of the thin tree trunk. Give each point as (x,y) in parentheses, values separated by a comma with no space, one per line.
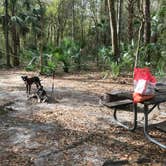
(82,22)
(49,36)
(97,44)
(130,20)
(61,33)
(7,35)
(73,19)
(147,25)
(42,37)
(105,20)
(15,52)
(115,47)
(54,39)
(52,34)
(18,45)
(41,45)
(138,44)
(36,40)
(57,36)
(15,41)
(120,4)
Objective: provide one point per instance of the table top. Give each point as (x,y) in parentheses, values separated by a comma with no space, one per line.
(159,97)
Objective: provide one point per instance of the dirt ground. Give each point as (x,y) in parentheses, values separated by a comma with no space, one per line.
(73,129)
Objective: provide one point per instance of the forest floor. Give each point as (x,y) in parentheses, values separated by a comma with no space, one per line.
(73,130)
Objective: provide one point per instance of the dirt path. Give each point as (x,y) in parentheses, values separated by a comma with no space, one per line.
(75,131)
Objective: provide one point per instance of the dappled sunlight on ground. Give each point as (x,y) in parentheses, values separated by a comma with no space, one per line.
(72,129)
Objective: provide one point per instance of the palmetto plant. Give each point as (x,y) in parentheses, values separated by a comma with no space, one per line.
(66,53)
(63,54)
(105,56)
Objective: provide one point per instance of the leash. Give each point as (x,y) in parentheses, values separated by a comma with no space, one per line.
(53,77)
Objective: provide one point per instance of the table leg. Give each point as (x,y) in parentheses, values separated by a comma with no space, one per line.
(146,129)
(134,125)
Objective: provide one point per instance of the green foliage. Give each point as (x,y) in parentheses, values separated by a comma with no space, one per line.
(152,49)
(67,52)
(105,56)
(107,61)
(64,59)
(52,8)
(162,11)
(54,21)
(30,68)
(50,64)
(115,69)
(31,59)
(125,63)
(161,68)
(127,57)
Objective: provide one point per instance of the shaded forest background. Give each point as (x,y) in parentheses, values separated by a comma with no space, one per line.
(74,35)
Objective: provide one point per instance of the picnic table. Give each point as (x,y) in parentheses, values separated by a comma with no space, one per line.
(117,100)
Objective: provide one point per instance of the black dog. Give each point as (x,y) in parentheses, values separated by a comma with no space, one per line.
(41,95)
(30,81)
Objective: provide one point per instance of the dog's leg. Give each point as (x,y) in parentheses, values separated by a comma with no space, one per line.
(37,86)
(32,96)
(27,89)
(39,83)
(45,99)
(38,98)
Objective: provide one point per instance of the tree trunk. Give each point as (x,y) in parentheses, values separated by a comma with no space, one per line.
(57,36)
(105,20)
(49,34)
(61,33)
(7,35)
(15,41)
(138,43)
(130,20)
(35,40)
(97,44)
(54,32)
(115,48)
(41,44)
(82,22)
(147,24)
(42,36)
(18,44)
(15,45)
(73,19)
(120,4)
